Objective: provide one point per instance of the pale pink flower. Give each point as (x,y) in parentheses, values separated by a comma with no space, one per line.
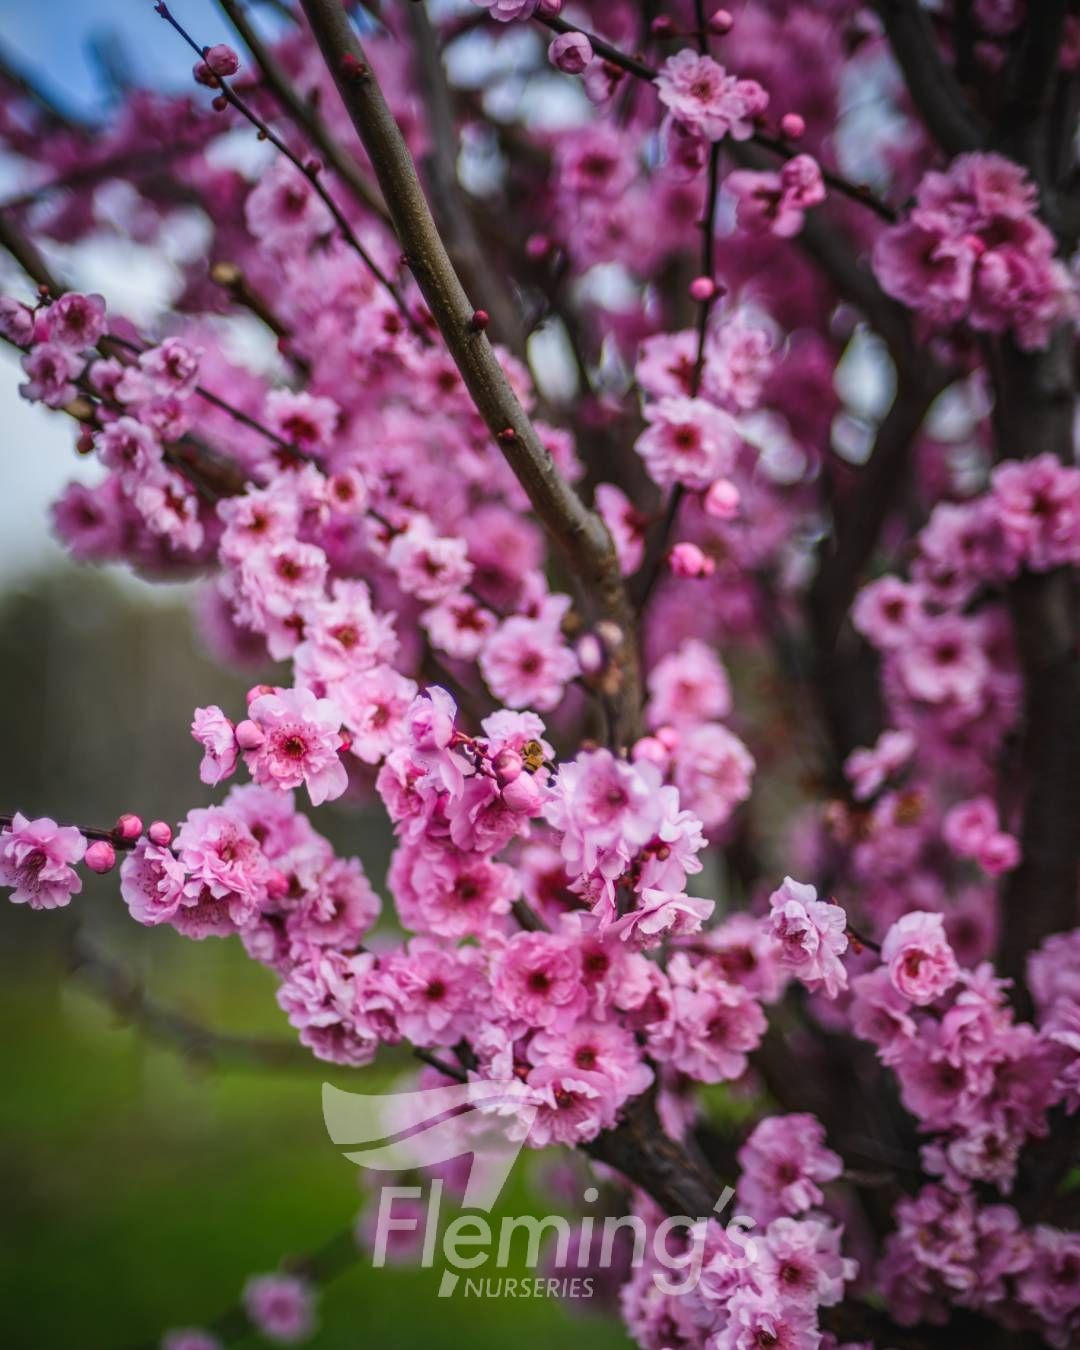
(921,963)
(35,861)
(785,1163)
(812,936)
(526,663)
(702,95)
(688,441)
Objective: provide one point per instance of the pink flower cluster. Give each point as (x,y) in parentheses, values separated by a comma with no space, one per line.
(973,249)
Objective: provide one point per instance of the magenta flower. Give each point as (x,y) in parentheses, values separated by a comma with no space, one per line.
(280,1307)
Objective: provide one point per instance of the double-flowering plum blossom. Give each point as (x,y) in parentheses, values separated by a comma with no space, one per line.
(36,861)
(700,94)
(776,203)
(973,249)
(811,935)
(688,441)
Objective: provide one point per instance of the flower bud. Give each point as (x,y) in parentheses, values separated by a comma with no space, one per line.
(721,22)
(570,53)
(100,856)
(702,289)
(222,60)
(722,500)
(160,833)
(687,560)
(129,826)
(507,765)
(792,126)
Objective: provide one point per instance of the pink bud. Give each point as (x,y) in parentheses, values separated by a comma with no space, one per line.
(570,53)
(702,289)
(257,691)
(722,500)
(687,560)
(507,765)
(999,852)
(721,22)
(650,748)
(100,856)
(523,796)
(668,737)
(590,654)
(129,826)
(537,246)
(222,60)
(792,126)
(160,833)
(549,9)
(662,26)
(204,75)
(248,735)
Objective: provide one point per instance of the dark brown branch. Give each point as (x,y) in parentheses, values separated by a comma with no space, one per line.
(1035,400)
(451,208)
(577,531)
(303,114)
(934,91)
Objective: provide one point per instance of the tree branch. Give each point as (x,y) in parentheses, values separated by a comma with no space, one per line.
(577,531)
(451,207)
(118,989)
(934,91)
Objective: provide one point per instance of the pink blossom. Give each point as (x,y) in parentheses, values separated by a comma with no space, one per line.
(661,915)
(712,1025)
(152,884)
(306,422)
(702,95)
(812,936)
(281,1307)
(869,770)
(35,861)
(688,441)
(51,371)
(76,321)
(301,744)
(713,772)
(427,566)
(570,53)
(921,963)
(536,981)
(785,1163)
(688,686)
(217,735)
(526,663)
(189,1338)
